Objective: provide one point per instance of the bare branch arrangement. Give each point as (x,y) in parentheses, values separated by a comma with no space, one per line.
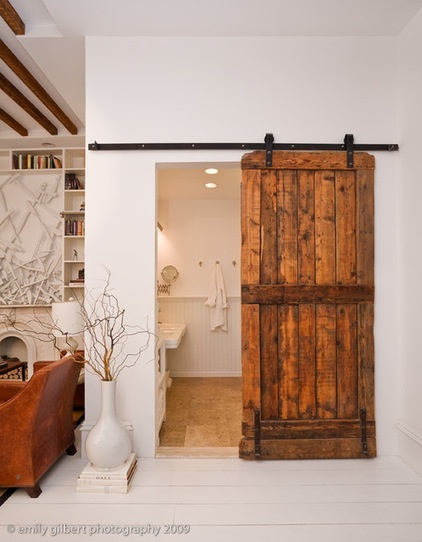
(105,334)
(41,330)
(104,324)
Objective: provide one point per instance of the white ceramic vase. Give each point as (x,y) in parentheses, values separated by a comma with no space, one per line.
(108,444)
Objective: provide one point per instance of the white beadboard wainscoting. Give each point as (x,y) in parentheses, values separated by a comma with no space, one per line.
(202,352)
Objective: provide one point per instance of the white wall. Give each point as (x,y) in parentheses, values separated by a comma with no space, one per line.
(195,235)
(410,115)
(227,89)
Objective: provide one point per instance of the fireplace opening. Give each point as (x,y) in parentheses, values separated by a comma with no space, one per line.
(13,347)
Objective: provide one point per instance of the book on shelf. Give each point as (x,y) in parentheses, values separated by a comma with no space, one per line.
(41,162)
(35,161)
(57,163)
(72,182)
(74,228)
(77,282)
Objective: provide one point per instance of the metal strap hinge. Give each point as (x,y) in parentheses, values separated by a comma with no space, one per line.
(348,141)
(363,431)
(269,141)
(257,433)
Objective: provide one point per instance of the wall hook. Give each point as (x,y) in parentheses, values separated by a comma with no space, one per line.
(234,263)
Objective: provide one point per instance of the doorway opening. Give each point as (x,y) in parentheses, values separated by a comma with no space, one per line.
(200,228)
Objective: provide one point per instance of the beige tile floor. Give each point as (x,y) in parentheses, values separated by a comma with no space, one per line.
(203,412)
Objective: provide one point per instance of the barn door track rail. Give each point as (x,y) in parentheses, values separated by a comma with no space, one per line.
(348,146)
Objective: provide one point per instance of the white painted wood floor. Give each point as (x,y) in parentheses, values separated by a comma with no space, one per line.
(227,500)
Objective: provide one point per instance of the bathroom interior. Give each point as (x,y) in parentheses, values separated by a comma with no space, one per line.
(198,250)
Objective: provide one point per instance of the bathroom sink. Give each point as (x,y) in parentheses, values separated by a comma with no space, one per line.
(171,334)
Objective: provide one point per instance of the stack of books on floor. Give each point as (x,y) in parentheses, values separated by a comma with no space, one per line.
(107,480)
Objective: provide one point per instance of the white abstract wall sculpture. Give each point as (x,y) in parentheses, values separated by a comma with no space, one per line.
(30,239)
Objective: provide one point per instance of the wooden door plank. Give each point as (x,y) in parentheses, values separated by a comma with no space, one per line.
(345,227)
(326,379)
(287,230)
(251,376)
(325,261)
(269,363)
(365,227)
(289,361)
(306,293)
(308,160)
(331,428)
(269,271)
(306,227)
(347,362)
(341,448)
(366,358)
(307,362)
(251,227)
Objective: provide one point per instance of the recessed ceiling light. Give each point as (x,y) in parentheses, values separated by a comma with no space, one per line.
(211,171)
(48,144)
(211,185)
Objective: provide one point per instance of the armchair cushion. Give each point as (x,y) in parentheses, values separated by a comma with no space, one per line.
(36,423)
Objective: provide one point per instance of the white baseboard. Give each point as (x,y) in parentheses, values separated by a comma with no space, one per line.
(410,446)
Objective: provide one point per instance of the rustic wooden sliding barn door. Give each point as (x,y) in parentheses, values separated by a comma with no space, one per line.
(307,306)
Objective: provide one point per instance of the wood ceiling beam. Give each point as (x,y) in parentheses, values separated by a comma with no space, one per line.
(14,124)
(11,17)
(26,77)
(23,102)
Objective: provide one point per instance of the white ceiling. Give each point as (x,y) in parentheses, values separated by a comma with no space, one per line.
(187,182)
(53,50)
(219,17)
(53,45)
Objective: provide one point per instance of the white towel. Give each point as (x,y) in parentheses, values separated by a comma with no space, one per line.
(217,300)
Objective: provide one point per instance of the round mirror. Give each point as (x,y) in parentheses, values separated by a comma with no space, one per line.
(169,273)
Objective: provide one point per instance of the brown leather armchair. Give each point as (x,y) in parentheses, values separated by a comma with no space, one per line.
(36,423)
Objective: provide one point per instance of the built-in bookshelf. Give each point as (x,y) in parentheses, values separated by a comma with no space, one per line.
(43,195)
(74,223)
